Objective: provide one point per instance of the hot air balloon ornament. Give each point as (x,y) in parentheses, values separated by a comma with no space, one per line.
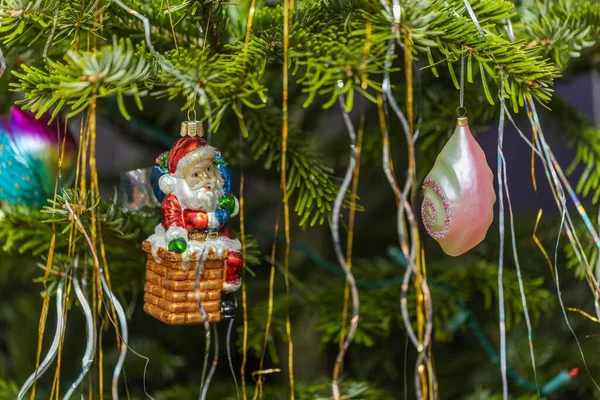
(459,197)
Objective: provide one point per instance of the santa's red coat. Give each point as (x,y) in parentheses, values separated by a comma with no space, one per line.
(175,215)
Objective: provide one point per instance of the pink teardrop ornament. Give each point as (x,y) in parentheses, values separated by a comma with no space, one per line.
(459,197)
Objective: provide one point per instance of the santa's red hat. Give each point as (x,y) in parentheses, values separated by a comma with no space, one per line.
(185,150)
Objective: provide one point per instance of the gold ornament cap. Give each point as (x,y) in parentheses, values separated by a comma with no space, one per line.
(463,121)
(192,128)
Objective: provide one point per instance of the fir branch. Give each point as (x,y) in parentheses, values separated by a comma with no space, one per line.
(123,24)
(256,328)
(253,253)
(582,134)
(56,23)
(378,317)
(165,365)
(310,180)
(452,290)
(329,43)
(318,389)
(8,389)
(76,18)
(349,390)
(25,230)
(209,16)
(267,21)
(114,70)
(589,249)
(475,277)
(25,19)
(328,46)
(588,154)
(433,24)
(227,80)
(22,231)
(561,29)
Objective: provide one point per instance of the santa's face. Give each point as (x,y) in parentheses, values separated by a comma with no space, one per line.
(199,186)
(199,173)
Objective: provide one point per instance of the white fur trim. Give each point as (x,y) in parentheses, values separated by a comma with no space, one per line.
(232,287)
(167,183)
(213,222)
(176,232)
(159,230)
(205,151)
(196,247)
(161,238)
(230,244)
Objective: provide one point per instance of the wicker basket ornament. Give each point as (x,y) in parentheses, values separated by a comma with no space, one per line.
(169,293)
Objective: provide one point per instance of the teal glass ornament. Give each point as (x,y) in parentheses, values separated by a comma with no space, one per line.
(29,152)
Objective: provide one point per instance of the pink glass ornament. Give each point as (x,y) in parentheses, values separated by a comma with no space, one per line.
(459,197)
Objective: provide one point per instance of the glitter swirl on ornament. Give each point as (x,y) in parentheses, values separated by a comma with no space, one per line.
(429,212)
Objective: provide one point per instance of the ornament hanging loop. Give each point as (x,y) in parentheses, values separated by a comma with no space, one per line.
(461,110)
(193,110)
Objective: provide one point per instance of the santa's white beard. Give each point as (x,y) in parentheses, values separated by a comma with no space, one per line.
(199,199)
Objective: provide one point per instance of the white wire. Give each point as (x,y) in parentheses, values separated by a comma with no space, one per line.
(53,351)
(91,334)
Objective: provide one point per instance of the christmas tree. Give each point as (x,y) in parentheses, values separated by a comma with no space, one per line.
(328,117)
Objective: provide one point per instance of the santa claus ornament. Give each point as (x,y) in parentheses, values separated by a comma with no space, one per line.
(193,183)
(458,203)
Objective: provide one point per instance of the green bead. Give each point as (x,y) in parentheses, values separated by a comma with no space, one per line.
(178,245)
(228,203)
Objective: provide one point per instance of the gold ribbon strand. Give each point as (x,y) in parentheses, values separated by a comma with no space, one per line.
(286,206)
(244,294)
(258,390)
(421,275)
(243,227)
